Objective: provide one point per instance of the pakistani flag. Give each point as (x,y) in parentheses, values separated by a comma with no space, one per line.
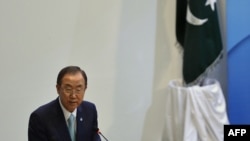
(198,32)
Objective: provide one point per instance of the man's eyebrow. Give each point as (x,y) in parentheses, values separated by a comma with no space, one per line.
(78,86)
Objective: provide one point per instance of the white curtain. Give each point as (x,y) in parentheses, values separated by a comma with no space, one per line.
(196,113)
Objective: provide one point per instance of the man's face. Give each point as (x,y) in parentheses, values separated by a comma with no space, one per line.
(71,91)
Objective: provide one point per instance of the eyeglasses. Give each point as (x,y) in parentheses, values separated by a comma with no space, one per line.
(72,91)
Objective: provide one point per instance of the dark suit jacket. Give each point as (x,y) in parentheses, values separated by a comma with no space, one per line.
(47,123)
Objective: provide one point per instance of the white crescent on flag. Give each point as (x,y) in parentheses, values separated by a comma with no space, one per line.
(191,19)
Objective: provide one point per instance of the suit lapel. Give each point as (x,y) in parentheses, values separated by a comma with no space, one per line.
(60,124)
(81,129)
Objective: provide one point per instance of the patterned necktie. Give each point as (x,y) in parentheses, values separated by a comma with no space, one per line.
(71,123)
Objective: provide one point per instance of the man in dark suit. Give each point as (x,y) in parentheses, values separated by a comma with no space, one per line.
(50,122)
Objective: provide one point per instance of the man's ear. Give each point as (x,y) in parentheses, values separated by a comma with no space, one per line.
(58,89)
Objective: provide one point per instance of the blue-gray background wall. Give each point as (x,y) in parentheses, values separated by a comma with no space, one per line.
(238,48)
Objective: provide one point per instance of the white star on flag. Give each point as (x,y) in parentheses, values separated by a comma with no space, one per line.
(211,3)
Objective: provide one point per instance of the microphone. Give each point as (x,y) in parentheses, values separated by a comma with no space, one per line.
(100,133)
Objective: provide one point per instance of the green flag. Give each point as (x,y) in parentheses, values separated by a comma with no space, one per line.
(198,32)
